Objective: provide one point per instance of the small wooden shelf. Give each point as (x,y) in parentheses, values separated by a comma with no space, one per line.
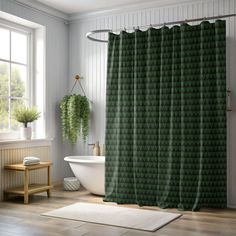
(21,167)
(28,189)
(32,188)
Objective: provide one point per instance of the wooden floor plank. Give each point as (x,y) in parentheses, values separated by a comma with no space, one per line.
(19,219)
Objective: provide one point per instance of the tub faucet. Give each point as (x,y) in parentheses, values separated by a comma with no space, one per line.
(96,148)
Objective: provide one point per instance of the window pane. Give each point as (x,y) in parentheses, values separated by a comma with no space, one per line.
(4,44)
(4,123)
(4,78)
(19,47)
(16,103)
(18,80)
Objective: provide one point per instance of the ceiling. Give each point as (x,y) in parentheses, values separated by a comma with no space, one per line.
(82,6)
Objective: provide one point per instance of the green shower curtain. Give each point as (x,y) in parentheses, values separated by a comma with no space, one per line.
(166,117)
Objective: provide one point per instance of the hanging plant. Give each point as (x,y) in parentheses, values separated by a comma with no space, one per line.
(84,116)
(75,116)
(64,117)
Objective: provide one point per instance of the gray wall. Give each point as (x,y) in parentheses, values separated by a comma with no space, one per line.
(57,57)
(89,59)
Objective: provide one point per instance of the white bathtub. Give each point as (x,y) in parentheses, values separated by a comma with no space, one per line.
(90,170)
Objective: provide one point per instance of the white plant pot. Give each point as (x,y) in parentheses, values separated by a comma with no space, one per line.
(26,133)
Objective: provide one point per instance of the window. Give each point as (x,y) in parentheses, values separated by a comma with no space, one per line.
(15,74)
(22,73)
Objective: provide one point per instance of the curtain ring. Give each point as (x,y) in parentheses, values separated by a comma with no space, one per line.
(151,26)
(134,28)
(124,29)
(137,27)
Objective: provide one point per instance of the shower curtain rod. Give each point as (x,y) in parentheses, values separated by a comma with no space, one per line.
(93,32)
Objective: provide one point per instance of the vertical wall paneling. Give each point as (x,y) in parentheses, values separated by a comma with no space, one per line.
(94,65)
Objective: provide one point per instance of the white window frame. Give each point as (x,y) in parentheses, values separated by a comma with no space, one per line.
(14,27)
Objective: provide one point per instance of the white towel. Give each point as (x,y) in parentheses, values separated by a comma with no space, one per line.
(31,160)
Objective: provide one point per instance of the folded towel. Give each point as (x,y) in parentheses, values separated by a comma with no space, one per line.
(32,158)
(31,161)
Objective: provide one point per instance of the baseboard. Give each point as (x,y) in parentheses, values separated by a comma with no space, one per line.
(57,183)
(231,206)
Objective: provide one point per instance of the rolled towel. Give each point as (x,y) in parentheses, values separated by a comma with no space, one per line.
(31,161)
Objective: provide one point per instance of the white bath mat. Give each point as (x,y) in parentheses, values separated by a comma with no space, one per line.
(139,219)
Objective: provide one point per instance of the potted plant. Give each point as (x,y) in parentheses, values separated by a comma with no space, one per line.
(26,115)
(75,115)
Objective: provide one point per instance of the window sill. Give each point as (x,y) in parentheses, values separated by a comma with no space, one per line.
(20,143)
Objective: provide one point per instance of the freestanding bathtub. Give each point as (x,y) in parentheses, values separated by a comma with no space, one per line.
(90,170)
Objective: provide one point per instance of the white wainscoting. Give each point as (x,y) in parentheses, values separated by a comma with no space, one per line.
(89,60)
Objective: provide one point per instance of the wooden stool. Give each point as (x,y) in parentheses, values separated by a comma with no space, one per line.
(28,189)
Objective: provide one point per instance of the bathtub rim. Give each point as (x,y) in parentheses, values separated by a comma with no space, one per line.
(85,159)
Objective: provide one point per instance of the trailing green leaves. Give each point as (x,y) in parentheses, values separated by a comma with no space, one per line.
(75,116)
(84,116)
(64,117)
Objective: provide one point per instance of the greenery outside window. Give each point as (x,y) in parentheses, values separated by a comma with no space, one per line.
(15,75)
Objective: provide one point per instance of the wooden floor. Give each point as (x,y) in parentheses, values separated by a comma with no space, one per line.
(25,220)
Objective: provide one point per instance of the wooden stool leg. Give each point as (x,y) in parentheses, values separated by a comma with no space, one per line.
(5,196)
(26,187)
(49,181)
